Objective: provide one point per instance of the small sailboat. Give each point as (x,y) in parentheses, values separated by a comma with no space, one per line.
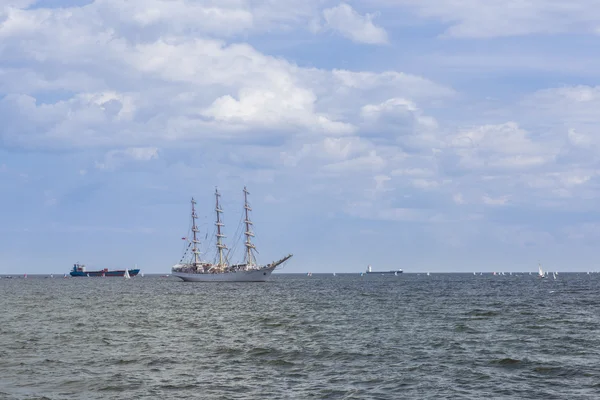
(541,273)
(126,275)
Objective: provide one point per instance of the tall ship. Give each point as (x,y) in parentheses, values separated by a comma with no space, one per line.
(79,270)
(393,272)
(192,268)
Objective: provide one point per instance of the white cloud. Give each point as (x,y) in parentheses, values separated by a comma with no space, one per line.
(330,150)
(358,28)
(494,18)
(424,183)
(200,86)
(412,86)
(115,158)
(575,106)
(495,201)
(368,162)
(368,210)
(391,105)
(413,172)
(86,119)
(223,18)
(380,181)
(173,85)
(401,117)
(504,146)
(293,107)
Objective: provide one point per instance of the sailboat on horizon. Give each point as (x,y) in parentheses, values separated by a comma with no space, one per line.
(198,270)
(541,273)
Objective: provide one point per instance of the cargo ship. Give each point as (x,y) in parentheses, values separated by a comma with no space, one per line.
(80,271)
(395,272)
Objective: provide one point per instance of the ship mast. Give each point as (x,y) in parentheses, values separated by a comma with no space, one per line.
(249,257)
(195,240)
(219,224)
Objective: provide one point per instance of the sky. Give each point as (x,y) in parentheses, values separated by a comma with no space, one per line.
(427,135)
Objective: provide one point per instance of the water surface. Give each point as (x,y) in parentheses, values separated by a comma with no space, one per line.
(413,336)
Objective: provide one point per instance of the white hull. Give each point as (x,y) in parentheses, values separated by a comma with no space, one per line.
(260,275)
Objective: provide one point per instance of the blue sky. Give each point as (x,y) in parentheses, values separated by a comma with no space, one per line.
(429,135)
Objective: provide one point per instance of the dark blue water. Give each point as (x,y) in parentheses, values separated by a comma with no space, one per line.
(450,336)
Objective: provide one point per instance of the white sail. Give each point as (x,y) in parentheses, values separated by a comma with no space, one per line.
(540,271)
(126,275)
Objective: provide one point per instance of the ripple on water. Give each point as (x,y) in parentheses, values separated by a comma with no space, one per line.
(442,336)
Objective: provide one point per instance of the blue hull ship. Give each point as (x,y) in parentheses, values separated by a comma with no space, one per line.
(80,271)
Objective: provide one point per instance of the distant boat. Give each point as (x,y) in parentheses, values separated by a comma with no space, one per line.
(80,271)
(370,271)
(541,271)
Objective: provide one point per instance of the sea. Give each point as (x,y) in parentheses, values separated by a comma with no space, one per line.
(411,336)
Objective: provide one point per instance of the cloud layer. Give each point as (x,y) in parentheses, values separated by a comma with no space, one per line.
(345,120)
